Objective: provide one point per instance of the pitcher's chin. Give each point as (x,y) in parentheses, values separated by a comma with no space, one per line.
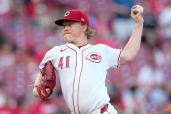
(67,40)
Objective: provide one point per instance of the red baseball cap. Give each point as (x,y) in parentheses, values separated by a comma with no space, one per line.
(73,15)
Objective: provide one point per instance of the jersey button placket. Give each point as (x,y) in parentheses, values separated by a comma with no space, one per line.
(76,84)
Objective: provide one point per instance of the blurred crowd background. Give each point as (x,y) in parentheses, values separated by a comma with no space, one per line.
(27,31)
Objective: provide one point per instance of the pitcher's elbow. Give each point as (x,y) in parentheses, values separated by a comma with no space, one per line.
(130,58)
(126,59)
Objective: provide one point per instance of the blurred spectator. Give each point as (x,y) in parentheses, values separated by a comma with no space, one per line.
(19,74)
(3,98)
(150,75)
(158,96)
(134,100)
(168,105)
(5,6)
(6,56)
(150,34)
(122,23)
(165,20)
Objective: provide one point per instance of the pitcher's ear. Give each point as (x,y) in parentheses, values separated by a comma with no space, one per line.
(84,26)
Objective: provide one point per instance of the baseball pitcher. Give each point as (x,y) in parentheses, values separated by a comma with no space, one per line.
(82,67)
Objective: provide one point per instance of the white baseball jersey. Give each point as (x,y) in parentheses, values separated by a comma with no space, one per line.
(82,73)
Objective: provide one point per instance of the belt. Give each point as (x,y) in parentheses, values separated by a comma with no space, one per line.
(104,109)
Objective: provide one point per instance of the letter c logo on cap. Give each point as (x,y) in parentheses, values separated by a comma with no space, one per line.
(67,13)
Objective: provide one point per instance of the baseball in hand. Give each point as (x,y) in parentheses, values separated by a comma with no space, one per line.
(138,8)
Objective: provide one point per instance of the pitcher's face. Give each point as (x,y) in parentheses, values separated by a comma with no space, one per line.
(71,31)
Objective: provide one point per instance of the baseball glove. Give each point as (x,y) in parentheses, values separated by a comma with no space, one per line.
(47,81)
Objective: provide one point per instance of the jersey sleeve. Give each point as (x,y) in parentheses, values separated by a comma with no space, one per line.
(113,56)
(49,56)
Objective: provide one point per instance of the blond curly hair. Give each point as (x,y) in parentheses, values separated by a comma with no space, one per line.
(90,32)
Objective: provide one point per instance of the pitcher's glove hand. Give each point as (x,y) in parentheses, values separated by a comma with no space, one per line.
(47,81)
